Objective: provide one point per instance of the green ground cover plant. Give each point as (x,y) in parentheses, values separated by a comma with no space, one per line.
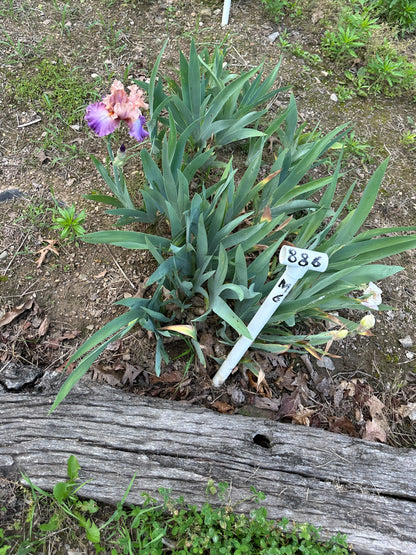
(363,34)
(156,526)
(57,91)
(219,254)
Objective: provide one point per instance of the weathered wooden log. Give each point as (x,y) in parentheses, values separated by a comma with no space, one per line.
(365,490)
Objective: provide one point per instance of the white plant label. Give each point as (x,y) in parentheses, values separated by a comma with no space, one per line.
(297,262)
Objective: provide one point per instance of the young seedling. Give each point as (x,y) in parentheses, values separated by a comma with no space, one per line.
(297,262)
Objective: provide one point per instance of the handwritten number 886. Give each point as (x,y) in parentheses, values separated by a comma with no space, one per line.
(304,259)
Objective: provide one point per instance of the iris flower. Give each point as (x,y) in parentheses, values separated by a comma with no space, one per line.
(104,117)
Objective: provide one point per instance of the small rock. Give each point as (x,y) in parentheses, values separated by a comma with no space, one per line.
(236,394)
(14,376)
(406,342)
(334,97)
(410,355)
(271,38)
(4,254)
(205,12)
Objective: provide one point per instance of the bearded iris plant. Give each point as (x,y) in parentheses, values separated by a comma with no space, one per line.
(104,117)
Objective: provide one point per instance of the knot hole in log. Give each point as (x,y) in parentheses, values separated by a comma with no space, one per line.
(262,440)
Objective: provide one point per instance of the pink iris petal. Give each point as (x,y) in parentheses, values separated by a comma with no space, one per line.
(118,96)
(136,97)
(100,119)
(136,129)
(127,112)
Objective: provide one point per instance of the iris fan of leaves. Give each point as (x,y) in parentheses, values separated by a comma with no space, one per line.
(224,237)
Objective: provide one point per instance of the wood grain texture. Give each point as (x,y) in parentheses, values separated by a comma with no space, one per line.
(366,490)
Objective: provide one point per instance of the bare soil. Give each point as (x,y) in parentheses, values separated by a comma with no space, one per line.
(369,392)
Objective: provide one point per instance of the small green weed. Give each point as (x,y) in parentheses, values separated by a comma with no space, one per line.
(344,43)
(18,51)
(389,70)
(356,147)
(158,526)
(35,213)
(113,37)
(8,9)
(279,8)
(408,138)
(57,91)
(63,24)
(398,12)
(68,223)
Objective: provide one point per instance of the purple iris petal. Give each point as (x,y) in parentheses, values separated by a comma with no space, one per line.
(99,119)
(136,129)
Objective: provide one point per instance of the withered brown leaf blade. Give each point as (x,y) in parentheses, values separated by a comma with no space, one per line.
(16,311)
(43,328)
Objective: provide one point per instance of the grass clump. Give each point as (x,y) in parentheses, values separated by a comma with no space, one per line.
(61,518)
(363,39)
(56,89)
(58,93)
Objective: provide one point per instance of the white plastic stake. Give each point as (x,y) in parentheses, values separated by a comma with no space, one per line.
(226,12)
(297,262)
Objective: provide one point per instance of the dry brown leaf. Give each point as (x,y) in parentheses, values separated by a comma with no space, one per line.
(104,377)
(285,381)
(130,374)
(302,416)
(43,328)
(168,377)
(407,411)
(347,387)
(301,385)
(342,425)
(375,407)
(101,274)
(222,407)
(289,405)
(207,342)
(55,342)
(114,345)
(50,247)
(265,403)
(375,431)
(363,393)
(16,311)
(259,383)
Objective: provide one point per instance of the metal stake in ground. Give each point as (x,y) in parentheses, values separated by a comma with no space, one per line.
(297,262)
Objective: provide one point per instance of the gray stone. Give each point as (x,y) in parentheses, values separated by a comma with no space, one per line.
(406,342)
(271,38)
(14,376)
